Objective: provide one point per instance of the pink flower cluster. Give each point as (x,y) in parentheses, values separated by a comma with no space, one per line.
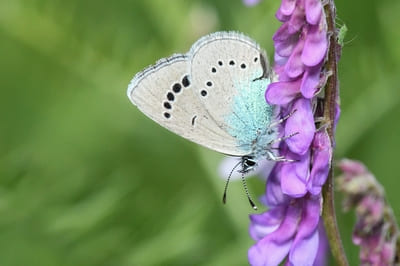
(376,231)
(289,229)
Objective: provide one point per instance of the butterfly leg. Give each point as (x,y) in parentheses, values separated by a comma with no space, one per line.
(283,138)
(271,156)
(280,121)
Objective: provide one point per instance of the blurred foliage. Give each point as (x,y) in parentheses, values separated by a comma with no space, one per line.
(86,179)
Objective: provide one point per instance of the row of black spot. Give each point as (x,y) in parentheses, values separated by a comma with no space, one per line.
(176,88)
(203,92)
(214,70)
(231,63)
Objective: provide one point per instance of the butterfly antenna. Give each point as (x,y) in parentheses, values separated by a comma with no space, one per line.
(253,205)
(227,182)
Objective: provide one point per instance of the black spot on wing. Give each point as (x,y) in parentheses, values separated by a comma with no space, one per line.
(186,81)
(194,119)
(170,96)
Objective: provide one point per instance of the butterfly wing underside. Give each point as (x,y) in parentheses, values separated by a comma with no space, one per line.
(234,73)
(165,93)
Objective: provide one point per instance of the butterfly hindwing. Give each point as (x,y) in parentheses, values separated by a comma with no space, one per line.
(234,73)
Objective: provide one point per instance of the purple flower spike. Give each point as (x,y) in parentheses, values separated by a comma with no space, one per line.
(296,234)
(285,48)
(274,195)
(282,34)
(278,242)
(305,250)
(284,41)
(310,82)
(313,11)
(279,61)
(287,7)
(296,21)
(316,45)
(280,93)
(294,175)
(281,17)
(294,186)
(288,227)
(310,217)
(323,246)
(280,72)
(279,251)
(321,162)
(294,66)
(302,123)
(305,245)
(265,223)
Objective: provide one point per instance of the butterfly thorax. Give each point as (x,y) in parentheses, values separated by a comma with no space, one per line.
(262,145)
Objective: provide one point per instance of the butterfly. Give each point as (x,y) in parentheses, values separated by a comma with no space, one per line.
(214,96)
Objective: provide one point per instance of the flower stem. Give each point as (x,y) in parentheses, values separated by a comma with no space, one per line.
(331,96)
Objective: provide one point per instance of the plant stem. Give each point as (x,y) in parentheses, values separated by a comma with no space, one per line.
(331,96)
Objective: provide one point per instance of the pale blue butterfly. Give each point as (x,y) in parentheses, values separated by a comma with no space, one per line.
(214,96)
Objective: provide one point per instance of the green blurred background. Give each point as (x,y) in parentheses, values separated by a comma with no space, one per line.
(86,179)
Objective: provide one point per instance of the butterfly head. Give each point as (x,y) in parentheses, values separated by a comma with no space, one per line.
(248,164)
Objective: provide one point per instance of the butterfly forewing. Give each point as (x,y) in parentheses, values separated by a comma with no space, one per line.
(166,93)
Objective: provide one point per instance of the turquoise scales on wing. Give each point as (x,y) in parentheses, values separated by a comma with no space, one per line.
(251,116)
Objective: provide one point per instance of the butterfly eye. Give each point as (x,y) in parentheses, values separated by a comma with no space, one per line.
(250,162)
